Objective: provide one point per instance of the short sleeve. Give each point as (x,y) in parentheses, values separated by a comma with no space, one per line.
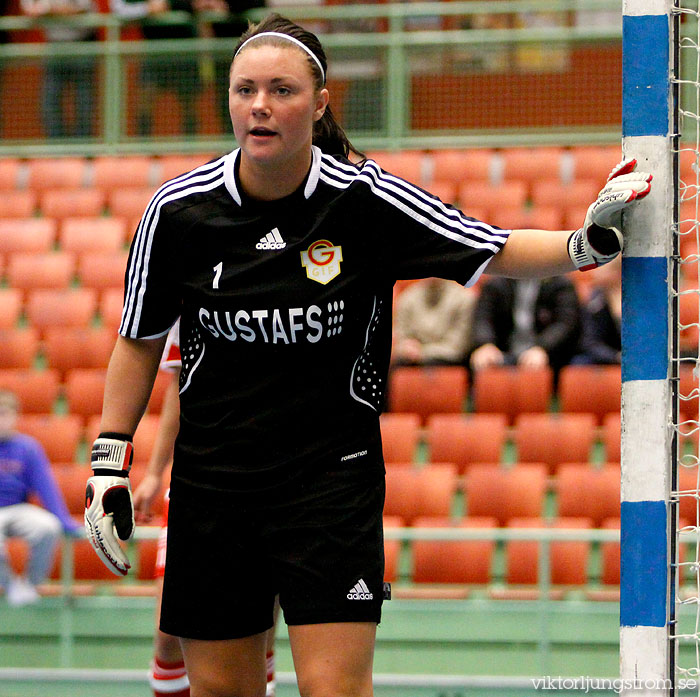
(152,302)
(421,236)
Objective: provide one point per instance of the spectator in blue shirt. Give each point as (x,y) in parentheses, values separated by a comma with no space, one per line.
(25,470)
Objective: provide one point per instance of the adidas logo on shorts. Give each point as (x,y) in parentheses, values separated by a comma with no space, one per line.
(360,592)
(273,240)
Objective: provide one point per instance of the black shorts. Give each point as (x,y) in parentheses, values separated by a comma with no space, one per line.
(321,551)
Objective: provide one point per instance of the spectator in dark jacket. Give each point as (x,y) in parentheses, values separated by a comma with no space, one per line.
(528,323)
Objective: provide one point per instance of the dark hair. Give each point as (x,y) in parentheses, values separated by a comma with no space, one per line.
(328,134)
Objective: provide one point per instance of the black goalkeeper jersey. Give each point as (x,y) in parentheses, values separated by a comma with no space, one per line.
(285,312)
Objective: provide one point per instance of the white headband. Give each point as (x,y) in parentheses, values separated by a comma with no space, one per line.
(289,38)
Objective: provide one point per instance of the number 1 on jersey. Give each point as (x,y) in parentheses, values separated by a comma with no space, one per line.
(217,275)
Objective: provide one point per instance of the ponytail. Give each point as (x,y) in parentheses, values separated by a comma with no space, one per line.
(330,137)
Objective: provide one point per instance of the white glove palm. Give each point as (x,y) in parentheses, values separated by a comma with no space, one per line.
(600,239)
(108,504)
(108,507)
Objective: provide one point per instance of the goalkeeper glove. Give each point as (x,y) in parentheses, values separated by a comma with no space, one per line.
(600,240)
(108,504)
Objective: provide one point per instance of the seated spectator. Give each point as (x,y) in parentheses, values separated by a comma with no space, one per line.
(433,317)
(601,341)
(529,323)
(25,470)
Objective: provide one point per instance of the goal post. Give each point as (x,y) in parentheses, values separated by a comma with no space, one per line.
(647,527)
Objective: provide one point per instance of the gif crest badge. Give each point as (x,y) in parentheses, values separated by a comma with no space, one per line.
(322,261)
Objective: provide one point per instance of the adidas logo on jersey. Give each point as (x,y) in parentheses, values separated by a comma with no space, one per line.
(273,240)
(360,592)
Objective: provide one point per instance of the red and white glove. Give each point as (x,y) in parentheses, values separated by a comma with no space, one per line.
(600,239)
(108,504)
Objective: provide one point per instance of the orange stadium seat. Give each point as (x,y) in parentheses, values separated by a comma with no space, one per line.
(574,217)
(463,561)
(446,191)
(610,555)
(457,166)
(110,308)
(112,172)
(689,271)
(59,434)
(611,436)
(688,161)
(9,173)
(10,307)
(17,551)
(147,554)
(413,492)
(87,565)
(466,438)
(145,438)
(18,204)
(400,433)
(73,307)
(479,194)
(688,483)
(19,347)
(130,203)
(688,318)
(56,173)
(160,387)
(30,235)
(568,559)
(532,164)
(37,390)
(83,235)
(688,390)
(66,348)
(52,270)
(511,390)
(578,194)
(132,226)
(407,164)
(392,549)
(437,486)
(102,271)
(84,391)
(171,166)
(538,217)
(587,491)
(594,389)
(595,162)
(400,498)
(72,203)
(517,492)
(554,438)
(427,390)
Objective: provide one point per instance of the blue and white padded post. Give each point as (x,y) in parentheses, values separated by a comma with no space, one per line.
(646,389)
